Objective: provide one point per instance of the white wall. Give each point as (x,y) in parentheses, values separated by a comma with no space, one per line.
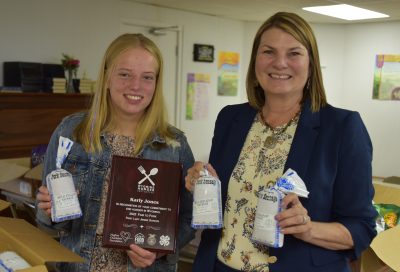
(363,43)
(330,39)
(348,54)
(42,30)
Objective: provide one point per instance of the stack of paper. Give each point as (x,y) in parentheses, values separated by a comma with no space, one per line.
(86,86)
(59,85)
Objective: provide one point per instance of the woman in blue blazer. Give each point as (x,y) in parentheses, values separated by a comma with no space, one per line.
(289,124)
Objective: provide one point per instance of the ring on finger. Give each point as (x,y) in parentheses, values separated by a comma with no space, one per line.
(305,219)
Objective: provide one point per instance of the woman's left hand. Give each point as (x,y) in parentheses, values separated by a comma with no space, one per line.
(294,218)
(141,257)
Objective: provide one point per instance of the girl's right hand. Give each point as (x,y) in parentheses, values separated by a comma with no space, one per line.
(44,200)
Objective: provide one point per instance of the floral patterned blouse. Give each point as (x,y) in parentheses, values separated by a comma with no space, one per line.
(261,163)
(110,259)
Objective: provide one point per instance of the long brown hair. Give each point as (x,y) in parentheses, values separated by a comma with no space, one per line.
(302,32)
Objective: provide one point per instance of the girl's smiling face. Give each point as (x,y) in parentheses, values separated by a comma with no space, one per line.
(133,82)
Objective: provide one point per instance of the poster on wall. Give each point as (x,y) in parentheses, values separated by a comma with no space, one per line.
(198,86)
(228,77)
(387,77)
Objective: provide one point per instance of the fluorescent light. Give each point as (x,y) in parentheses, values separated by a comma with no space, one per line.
(346,12)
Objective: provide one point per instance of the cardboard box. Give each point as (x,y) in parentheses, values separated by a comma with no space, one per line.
(4,204)
(32,244)
(383,254)
(32,180)
(35,173)
(22,187)
(10,170)
(21,180)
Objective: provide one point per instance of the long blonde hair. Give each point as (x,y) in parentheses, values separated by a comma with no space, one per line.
(302,32)
(99,116)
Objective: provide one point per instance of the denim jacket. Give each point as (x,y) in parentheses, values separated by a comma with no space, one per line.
(88,172)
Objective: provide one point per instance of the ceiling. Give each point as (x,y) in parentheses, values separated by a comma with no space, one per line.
(260,10)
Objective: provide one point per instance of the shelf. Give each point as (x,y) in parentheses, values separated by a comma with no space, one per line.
(28,119)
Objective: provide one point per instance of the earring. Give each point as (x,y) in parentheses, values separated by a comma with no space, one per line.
(308,84)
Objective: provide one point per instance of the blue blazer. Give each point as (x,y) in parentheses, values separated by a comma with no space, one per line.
(332,152)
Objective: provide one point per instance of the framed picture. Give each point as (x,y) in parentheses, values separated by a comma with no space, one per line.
(203,53)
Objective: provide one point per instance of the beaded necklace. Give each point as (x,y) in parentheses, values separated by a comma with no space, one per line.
(270,141)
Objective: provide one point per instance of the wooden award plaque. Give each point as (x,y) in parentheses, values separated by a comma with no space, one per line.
(142,204)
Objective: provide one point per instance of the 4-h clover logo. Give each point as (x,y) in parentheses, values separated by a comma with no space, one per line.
(164,240)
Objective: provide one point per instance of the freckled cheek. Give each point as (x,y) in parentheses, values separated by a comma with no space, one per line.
(149,87)
(114,84)
(122,84)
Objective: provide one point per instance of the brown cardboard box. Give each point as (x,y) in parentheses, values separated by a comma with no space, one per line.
(32,180)
(35,173)
(383,254)
(35,246)
(10,170)
(4,204)
(32,244)
(22,187)
(19,179)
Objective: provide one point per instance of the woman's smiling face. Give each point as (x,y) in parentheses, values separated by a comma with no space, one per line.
(282,63)
(133,82)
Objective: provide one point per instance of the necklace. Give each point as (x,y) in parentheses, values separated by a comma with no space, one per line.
(271,141)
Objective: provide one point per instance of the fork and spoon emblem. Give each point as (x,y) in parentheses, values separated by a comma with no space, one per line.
(152,173)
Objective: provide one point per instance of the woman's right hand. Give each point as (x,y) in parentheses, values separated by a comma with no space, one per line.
(193,174)
(44,200)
